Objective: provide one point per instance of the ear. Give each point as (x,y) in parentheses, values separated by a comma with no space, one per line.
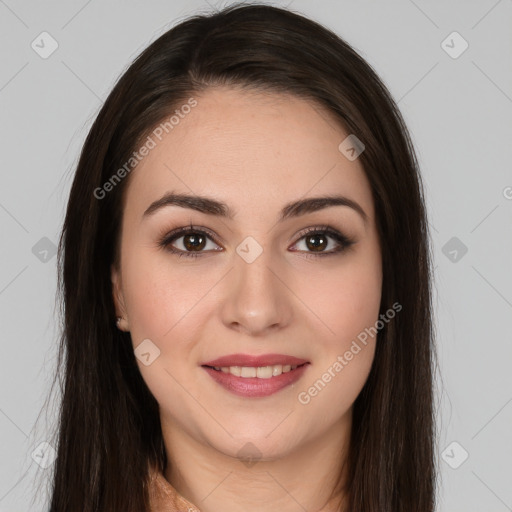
(118,297)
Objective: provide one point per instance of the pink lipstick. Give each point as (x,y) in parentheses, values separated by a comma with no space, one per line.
(256,376)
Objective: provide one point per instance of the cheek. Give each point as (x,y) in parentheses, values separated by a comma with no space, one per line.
(343,301)
(164,305)
(349,310)
(160,297)
(346,304)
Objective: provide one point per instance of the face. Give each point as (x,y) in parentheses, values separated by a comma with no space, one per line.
(253,276)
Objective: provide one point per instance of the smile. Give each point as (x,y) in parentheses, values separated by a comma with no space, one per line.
(252,382)
(260,372)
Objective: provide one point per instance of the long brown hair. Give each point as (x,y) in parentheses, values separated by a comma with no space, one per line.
(109,426)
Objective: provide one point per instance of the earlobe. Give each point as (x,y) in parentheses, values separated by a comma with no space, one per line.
(121,319)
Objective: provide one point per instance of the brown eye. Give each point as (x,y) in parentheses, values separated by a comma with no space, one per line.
(194,241)
(190,242)
(316,242)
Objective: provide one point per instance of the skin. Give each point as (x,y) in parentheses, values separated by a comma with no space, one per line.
(255,152)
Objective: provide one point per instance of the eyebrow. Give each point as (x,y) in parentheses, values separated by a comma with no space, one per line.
(211,206)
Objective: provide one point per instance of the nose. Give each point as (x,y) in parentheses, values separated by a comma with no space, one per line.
(257,300)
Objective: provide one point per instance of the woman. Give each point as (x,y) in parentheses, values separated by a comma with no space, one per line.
(246,280)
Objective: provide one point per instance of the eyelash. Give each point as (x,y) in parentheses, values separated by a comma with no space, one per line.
(166,240)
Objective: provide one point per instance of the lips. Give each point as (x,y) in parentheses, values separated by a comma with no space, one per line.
(254,376)
(255,361)
(255,387)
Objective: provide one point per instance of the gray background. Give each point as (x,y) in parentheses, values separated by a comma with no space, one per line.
(458,111)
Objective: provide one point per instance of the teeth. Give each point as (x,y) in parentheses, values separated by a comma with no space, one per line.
(248,372)
(261,372)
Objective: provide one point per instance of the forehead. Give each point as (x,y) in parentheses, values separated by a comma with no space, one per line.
(245,147)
